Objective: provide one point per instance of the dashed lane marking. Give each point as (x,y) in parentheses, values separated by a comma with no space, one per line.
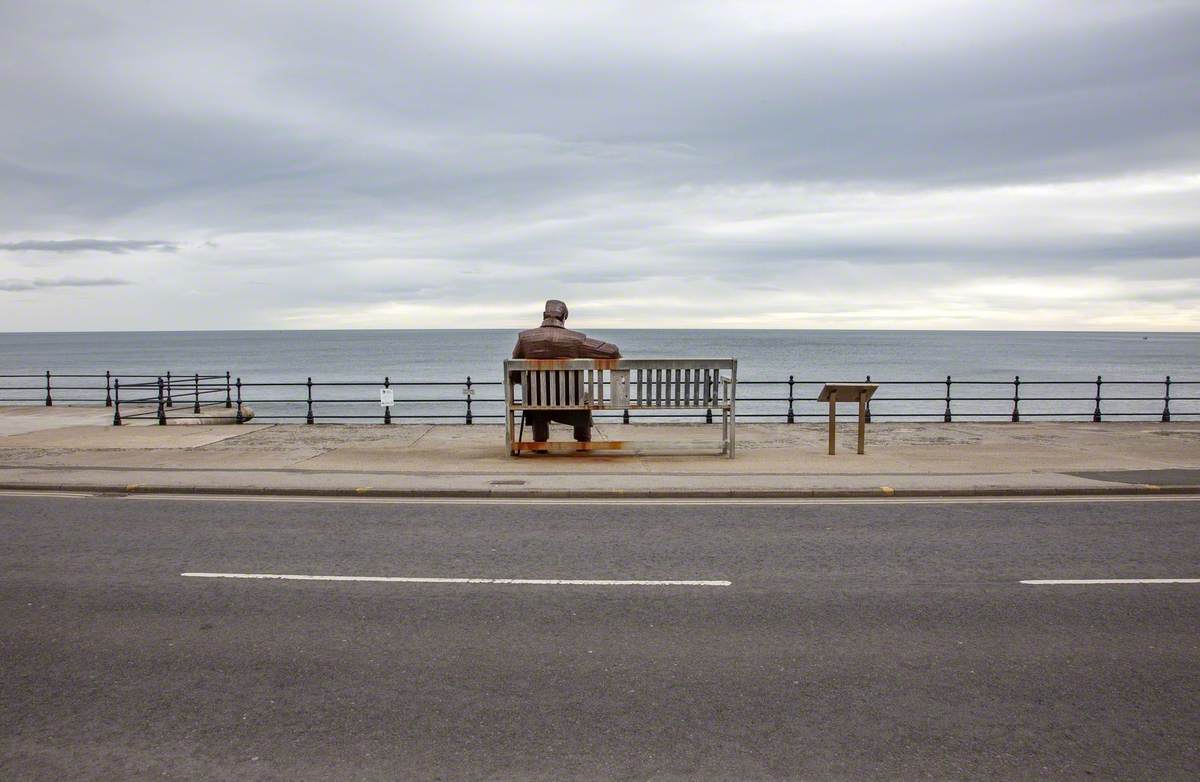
(502,581)
(1072,581)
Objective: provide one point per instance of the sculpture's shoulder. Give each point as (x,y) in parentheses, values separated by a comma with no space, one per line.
(548,342)
(555,342)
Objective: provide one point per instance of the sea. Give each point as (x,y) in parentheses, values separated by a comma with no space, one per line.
(429,369)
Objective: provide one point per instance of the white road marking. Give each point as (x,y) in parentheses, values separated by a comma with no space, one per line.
(1060,581)
(78,495)
(424,580)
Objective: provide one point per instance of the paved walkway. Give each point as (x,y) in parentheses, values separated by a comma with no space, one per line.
(66,448)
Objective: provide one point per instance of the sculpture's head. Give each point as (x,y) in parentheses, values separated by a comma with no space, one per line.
(555,313)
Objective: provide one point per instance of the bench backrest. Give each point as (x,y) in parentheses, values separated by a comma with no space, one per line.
(620,384)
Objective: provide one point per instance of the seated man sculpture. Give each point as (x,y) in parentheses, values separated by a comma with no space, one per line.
(554,340)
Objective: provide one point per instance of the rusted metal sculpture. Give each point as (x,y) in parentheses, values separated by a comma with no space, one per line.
(554,340)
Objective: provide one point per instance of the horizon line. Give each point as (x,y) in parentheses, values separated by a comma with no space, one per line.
(614,328)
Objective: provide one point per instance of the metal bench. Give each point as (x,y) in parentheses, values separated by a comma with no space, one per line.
(655,384)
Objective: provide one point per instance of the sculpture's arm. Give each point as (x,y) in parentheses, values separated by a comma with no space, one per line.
(594,348)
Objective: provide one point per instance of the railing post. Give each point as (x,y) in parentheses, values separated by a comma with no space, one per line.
(625,416)
(308,419)
(1166,416)
(196,390)
(170,402)
(1016,414)
(162,414)
(117,402)
(49,401)
(867,418)
(470,418)
(107,388)
(239,419)
(1096,412)
(791,416)
(387,411)
(228,401)
(947,417)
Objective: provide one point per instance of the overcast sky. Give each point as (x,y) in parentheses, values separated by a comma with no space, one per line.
(392,165)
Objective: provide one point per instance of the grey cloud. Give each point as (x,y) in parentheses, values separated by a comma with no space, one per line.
(114,246)
(13,284)
(602,145)
(342,120)
(1057,251)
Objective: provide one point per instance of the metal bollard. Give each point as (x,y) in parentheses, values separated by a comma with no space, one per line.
(117,402)
(107,388)
(470,418)
(1096,412)
(228,401)
(1166,416)
(1016,413)
(946,417)
(49,401)
(791,415)
(308,419)
(239,419)
(196,391)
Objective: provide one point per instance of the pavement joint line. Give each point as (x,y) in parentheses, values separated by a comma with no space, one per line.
(1081,581)
(607,493)
(872,499)
(498,581)
(538,474)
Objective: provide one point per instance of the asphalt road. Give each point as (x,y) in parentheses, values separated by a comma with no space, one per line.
(855,641)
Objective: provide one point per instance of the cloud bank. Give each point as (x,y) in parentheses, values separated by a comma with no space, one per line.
(115,246)
(917,165)
(12,285)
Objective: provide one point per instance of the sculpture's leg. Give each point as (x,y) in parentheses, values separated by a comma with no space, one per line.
(583,427)
(541,427)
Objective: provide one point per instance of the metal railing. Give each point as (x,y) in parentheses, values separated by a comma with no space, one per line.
(174,395)
(166,391)
(795,400)
(195,392)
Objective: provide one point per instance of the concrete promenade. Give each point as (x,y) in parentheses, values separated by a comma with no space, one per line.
(76,448)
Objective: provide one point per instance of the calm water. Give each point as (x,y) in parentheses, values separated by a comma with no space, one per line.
(450,356)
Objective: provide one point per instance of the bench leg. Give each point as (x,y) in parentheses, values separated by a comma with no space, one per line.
(508,432)
(725,431)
